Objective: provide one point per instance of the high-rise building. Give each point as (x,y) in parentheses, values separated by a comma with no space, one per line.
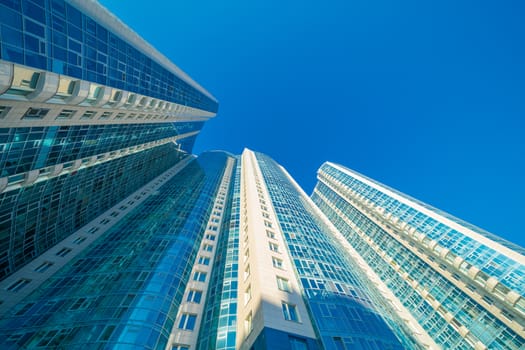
(89,113)
(227,252)
(463,285)
(217,252)
(113,235)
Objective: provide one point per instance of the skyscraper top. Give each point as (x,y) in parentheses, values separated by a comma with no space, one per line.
(77,53)
(513,250)
(103,16)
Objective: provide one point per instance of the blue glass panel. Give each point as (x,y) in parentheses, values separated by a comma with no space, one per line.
(58,8)
(12,53)
(74,15)
(11,36)
(35,60)
(10,17)
(106,286)
(34,28)
(74,32)
(31,43)
(34,11)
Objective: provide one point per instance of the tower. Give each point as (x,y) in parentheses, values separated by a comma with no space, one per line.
(461,284)
(217,252)
(113,235)
(299,289)
(89,113)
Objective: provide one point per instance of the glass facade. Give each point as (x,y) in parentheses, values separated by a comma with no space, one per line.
(422,272)
(134,285)
(340,307)
(54,35)
(25,149)
(34,218)
(126,288)
(219,324)
(493,263)
(63,173)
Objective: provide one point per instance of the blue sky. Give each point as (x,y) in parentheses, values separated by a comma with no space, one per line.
(427,97)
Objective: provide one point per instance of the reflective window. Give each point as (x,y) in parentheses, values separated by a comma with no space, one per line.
(199,276)
(283,284)
(290,312)
(194,296)
(277,263)
(187,321)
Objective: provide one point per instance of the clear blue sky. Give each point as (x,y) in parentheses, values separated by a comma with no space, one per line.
(427,97)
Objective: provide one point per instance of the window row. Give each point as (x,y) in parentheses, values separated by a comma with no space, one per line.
(66,114)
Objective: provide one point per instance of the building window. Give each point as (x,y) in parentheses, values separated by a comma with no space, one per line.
(66,114)
(211,237)
(277,263)
(298,343)
(80,304)
(106,115)
(246,254)
(267,224)
(199,276)
(21,283)
(180,347)
(270,234)
(93,230)
(187,321)
(63,252)
(3,111)
(88,115)
(273,247)
(248,324)
(247,295)
(290,312)
(488,300)
(194,296)
(79,240)
(204,260)
(35,113)
(207,247)
(283,284)
(339,344)
(44,266)
(120,115)
(247,272)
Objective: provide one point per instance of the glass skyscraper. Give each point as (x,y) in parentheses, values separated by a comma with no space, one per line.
(217,252)
(89,112)
(114,236)
(463,285)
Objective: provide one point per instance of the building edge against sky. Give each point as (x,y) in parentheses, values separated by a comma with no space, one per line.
(89,113)
(199,225)
(113,234)
(228,252)
(463,285)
